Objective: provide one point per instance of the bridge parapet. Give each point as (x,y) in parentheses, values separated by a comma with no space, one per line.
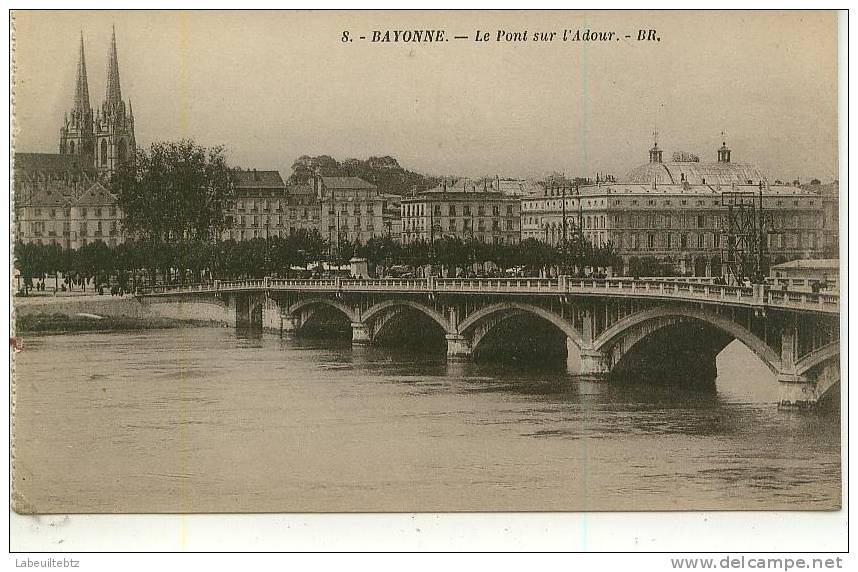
(760,296)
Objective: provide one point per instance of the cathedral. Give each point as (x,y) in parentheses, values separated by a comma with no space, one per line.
(105,139)
(63,198)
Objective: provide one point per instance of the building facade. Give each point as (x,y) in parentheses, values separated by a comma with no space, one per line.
(58,201)
(266,207)
(446,211)
(676,213)
(354,210)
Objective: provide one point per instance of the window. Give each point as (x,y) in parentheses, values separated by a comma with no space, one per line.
(701,221)
(112,211)
(683,241)
(37,212)
(83,212)
(452,210)
(509,225)
(716,240)
(98,212)
(481,210)
(466,210)
(670,241)
(650,241)
(701,241)
(495,210)
(509,210)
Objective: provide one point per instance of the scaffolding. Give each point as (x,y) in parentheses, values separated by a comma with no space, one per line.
(747,225)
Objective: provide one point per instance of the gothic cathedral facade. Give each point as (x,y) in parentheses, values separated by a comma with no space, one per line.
(103,140)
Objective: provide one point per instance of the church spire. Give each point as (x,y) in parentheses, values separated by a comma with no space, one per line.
(114,93)
(81,94)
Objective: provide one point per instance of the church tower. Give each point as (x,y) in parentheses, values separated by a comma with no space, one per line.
(76,134)
(114,123)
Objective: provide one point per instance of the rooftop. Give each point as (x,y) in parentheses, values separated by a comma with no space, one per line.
(299,189)
(48,163)
(346,183)
(814,264)
(696,173)
(689,190)
(436,195)
(254,179)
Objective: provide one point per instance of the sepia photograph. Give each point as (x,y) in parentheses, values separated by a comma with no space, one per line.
(425,261)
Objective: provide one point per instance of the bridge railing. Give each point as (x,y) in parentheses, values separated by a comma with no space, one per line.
(803,300)
(508,285)
(682,290)
(386,284)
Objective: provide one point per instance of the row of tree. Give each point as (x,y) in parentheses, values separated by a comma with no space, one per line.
(133,263)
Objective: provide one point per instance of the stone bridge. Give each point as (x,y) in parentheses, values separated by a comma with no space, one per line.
(653,327)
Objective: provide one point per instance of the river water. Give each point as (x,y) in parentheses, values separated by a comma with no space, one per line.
(207,419)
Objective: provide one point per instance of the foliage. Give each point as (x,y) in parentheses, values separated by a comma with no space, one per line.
(175,191)
(383,172)
(134,263)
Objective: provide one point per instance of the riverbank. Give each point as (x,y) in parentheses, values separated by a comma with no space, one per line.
(59,323)
(48,314)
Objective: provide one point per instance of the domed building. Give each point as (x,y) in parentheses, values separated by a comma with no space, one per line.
(688,168)
(668,218)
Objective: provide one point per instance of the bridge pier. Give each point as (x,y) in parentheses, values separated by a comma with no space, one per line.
(593,362)
(796,392)
(289,324)
(458,347)
(231,311)
(271,315)
(360,334)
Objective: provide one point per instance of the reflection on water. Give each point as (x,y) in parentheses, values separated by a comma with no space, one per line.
(218,420)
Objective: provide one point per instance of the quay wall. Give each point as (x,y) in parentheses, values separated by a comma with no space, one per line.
(126,307)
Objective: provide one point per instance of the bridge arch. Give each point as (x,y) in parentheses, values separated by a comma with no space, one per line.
(381,307)
(649,321)
(818,357)
(309,302)
(564,325)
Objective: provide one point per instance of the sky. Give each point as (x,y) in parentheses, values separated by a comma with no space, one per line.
(271,86)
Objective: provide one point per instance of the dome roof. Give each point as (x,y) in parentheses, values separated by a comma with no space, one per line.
(695,173)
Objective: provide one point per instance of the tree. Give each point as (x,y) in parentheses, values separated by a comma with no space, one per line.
(175,192)
(384,172)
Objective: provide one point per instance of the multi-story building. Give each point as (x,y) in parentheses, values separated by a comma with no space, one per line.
(488,216)
(354,210)
(676,213)
(69,207)
(266,207)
